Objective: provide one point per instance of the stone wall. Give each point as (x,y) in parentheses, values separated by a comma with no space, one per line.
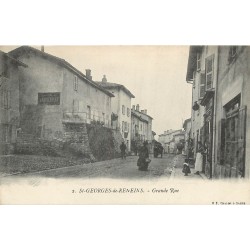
(104,142)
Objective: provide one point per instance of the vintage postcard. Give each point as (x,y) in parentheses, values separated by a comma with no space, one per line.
(125,125)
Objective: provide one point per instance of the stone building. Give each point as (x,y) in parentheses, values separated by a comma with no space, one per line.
(167,139)
(232,113)
(56,99)
(141,127)
(187,137)
(9,101)
(120,107)
(219,75)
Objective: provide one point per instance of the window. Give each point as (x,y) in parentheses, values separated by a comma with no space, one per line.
(126,127)
(75,83)
(123,109)
(198,61)
(122,126)
(232,53)
(108,101)
(128,112)
(89,112)
(194,79)
(202,85)
(209,72)
(5,96)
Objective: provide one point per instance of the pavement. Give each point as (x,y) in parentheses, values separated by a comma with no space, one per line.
(177,170)
(169,166)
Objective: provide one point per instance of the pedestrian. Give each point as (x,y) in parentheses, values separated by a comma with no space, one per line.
(160,150)
(186,169)
(199,158)
(155,151)
(123,150)
(143,160)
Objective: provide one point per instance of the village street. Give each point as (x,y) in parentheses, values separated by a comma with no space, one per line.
(115,168)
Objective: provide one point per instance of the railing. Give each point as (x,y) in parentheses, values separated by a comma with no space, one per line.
(83,117)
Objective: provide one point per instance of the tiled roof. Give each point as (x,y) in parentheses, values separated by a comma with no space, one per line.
(25,49)
(111,85)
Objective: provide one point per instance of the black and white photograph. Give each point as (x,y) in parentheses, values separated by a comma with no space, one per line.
(107,122)
(124,125)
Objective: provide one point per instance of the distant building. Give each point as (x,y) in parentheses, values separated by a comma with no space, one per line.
(9,101)
(188,140)
(179,140)
(141,127)
(168,140)
(55,97)
(120,107)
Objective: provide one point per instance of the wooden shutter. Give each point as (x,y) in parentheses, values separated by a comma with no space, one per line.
(8,99)
(221,141)
(241,142)
(209,72)
(202,84)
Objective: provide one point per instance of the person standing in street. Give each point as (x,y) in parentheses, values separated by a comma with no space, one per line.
(123,150)
(143,160)
(160,150)
(199,158)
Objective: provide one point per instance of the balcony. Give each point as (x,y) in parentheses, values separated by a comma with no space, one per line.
(83,117)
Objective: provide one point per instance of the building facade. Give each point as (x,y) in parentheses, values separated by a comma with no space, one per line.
(121,108)
(232,113)
(141,127)
(9,101)
(167,139)
(188,148)
(219,75)
(55,96)
(202,74)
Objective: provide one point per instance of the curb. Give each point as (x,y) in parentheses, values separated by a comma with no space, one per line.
(203,176)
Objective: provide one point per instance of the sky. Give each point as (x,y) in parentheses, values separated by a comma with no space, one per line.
(156,75)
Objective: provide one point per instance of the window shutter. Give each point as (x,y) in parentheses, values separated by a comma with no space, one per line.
(198,61)
(202,84)
(209,72)
(8,100)
(221,141)
(241,141)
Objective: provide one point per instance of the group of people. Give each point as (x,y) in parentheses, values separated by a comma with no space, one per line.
(158,150)
(201,152)
(143,160)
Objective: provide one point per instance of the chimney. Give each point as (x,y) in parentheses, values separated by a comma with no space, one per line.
(104,79)
(88,74)
(145,111)
(133,107)
(42,48)
(142,111)
(137,107)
